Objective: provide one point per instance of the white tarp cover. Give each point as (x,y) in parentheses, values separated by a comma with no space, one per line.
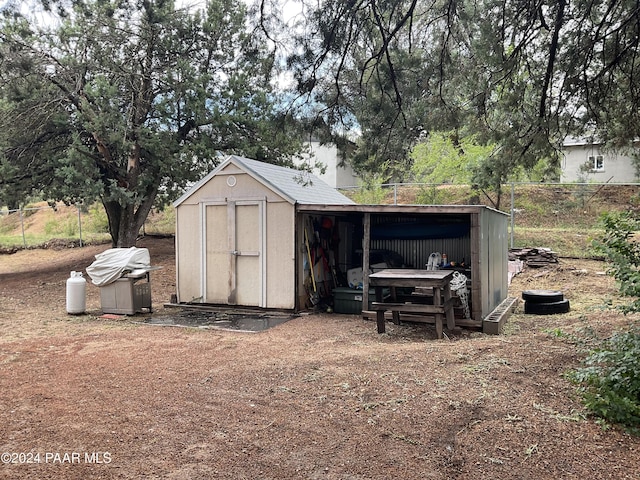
(111,264)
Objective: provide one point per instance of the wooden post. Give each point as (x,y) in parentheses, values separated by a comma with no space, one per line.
(366,244)
(231,242)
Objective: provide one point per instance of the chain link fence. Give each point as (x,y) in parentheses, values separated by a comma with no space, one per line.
(70,226)
(565,214)
(536,211)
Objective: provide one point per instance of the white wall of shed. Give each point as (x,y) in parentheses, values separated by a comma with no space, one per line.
(280,238)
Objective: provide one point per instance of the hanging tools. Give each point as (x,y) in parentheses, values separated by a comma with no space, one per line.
(314,297)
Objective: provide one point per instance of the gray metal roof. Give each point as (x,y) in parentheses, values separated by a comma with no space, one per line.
(296,186)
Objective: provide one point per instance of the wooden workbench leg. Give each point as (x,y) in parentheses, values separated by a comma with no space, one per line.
(380,320)
(395,316)
(439,325)
(451,319)
(379,296)
(437,301)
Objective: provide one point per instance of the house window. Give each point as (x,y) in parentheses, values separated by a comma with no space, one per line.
(596,163)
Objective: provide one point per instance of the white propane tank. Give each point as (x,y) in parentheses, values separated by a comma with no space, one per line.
(76,293)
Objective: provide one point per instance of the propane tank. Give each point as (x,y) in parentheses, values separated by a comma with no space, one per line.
(76,293)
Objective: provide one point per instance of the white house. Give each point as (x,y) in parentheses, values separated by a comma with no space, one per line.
(335,175)
(586,159)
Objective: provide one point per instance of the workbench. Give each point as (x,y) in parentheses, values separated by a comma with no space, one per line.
(437,280)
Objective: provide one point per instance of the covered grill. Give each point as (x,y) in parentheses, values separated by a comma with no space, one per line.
(123,277)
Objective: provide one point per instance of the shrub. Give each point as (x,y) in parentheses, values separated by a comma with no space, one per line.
(371,191)
(98,221)
(428,195)
(29,210)
(66,227)
(52,227)
(609,381)
(622,250)
(70,227)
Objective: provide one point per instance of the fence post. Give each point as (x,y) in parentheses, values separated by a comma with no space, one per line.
(79,224)
(24,239)
(395,193)
(512,212)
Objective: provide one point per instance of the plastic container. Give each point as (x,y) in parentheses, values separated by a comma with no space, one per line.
(349,300)
(76,294)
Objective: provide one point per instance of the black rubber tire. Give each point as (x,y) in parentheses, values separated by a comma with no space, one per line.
(542,296)
(548,308)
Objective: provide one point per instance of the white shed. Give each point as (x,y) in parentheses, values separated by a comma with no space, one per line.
(236,234)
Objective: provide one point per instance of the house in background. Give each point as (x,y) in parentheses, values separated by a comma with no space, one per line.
(338,173)
(585,159)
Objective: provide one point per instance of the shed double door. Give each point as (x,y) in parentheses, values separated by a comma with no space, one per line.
(234,253)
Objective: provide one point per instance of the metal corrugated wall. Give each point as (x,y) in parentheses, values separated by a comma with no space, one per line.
(416,252)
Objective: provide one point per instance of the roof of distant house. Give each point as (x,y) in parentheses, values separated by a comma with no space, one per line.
(579,141)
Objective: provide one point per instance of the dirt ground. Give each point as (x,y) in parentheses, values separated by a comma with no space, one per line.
(321,396)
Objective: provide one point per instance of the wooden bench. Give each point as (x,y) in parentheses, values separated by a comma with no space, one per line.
(438,311)
(437,280)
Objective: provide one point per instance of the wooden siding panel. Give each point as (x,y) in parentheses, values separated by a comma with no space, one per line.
(245,187)
(281,256)
(217,254)
(248,241)
(188,254)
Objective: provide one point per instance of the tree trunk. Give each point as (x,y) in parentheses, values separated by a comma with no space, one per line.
(125,221)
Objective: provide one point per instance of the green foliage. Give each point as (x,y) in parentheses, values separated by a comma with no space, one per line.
(522,75)
(445,157)
(609,381)
(120,101)
(28,210)
(67,228)
(371,191)
(545,170)
(162,221)
(98,221)
(622,250)
(429,195)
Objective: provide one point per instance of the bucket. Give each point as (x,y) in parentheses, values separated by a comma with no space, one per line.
(76,293)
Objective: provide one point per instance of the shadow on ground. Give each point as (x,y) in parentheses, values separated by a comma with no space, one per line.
(226,320)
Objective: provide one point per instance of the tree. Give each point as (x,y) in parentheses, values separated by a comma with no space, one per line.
(446,157)
(129,101)
(520,74)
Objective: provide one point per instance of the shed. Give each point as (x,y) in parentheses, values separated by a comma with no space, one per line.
(473,236)
(248,233)
(236,234)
